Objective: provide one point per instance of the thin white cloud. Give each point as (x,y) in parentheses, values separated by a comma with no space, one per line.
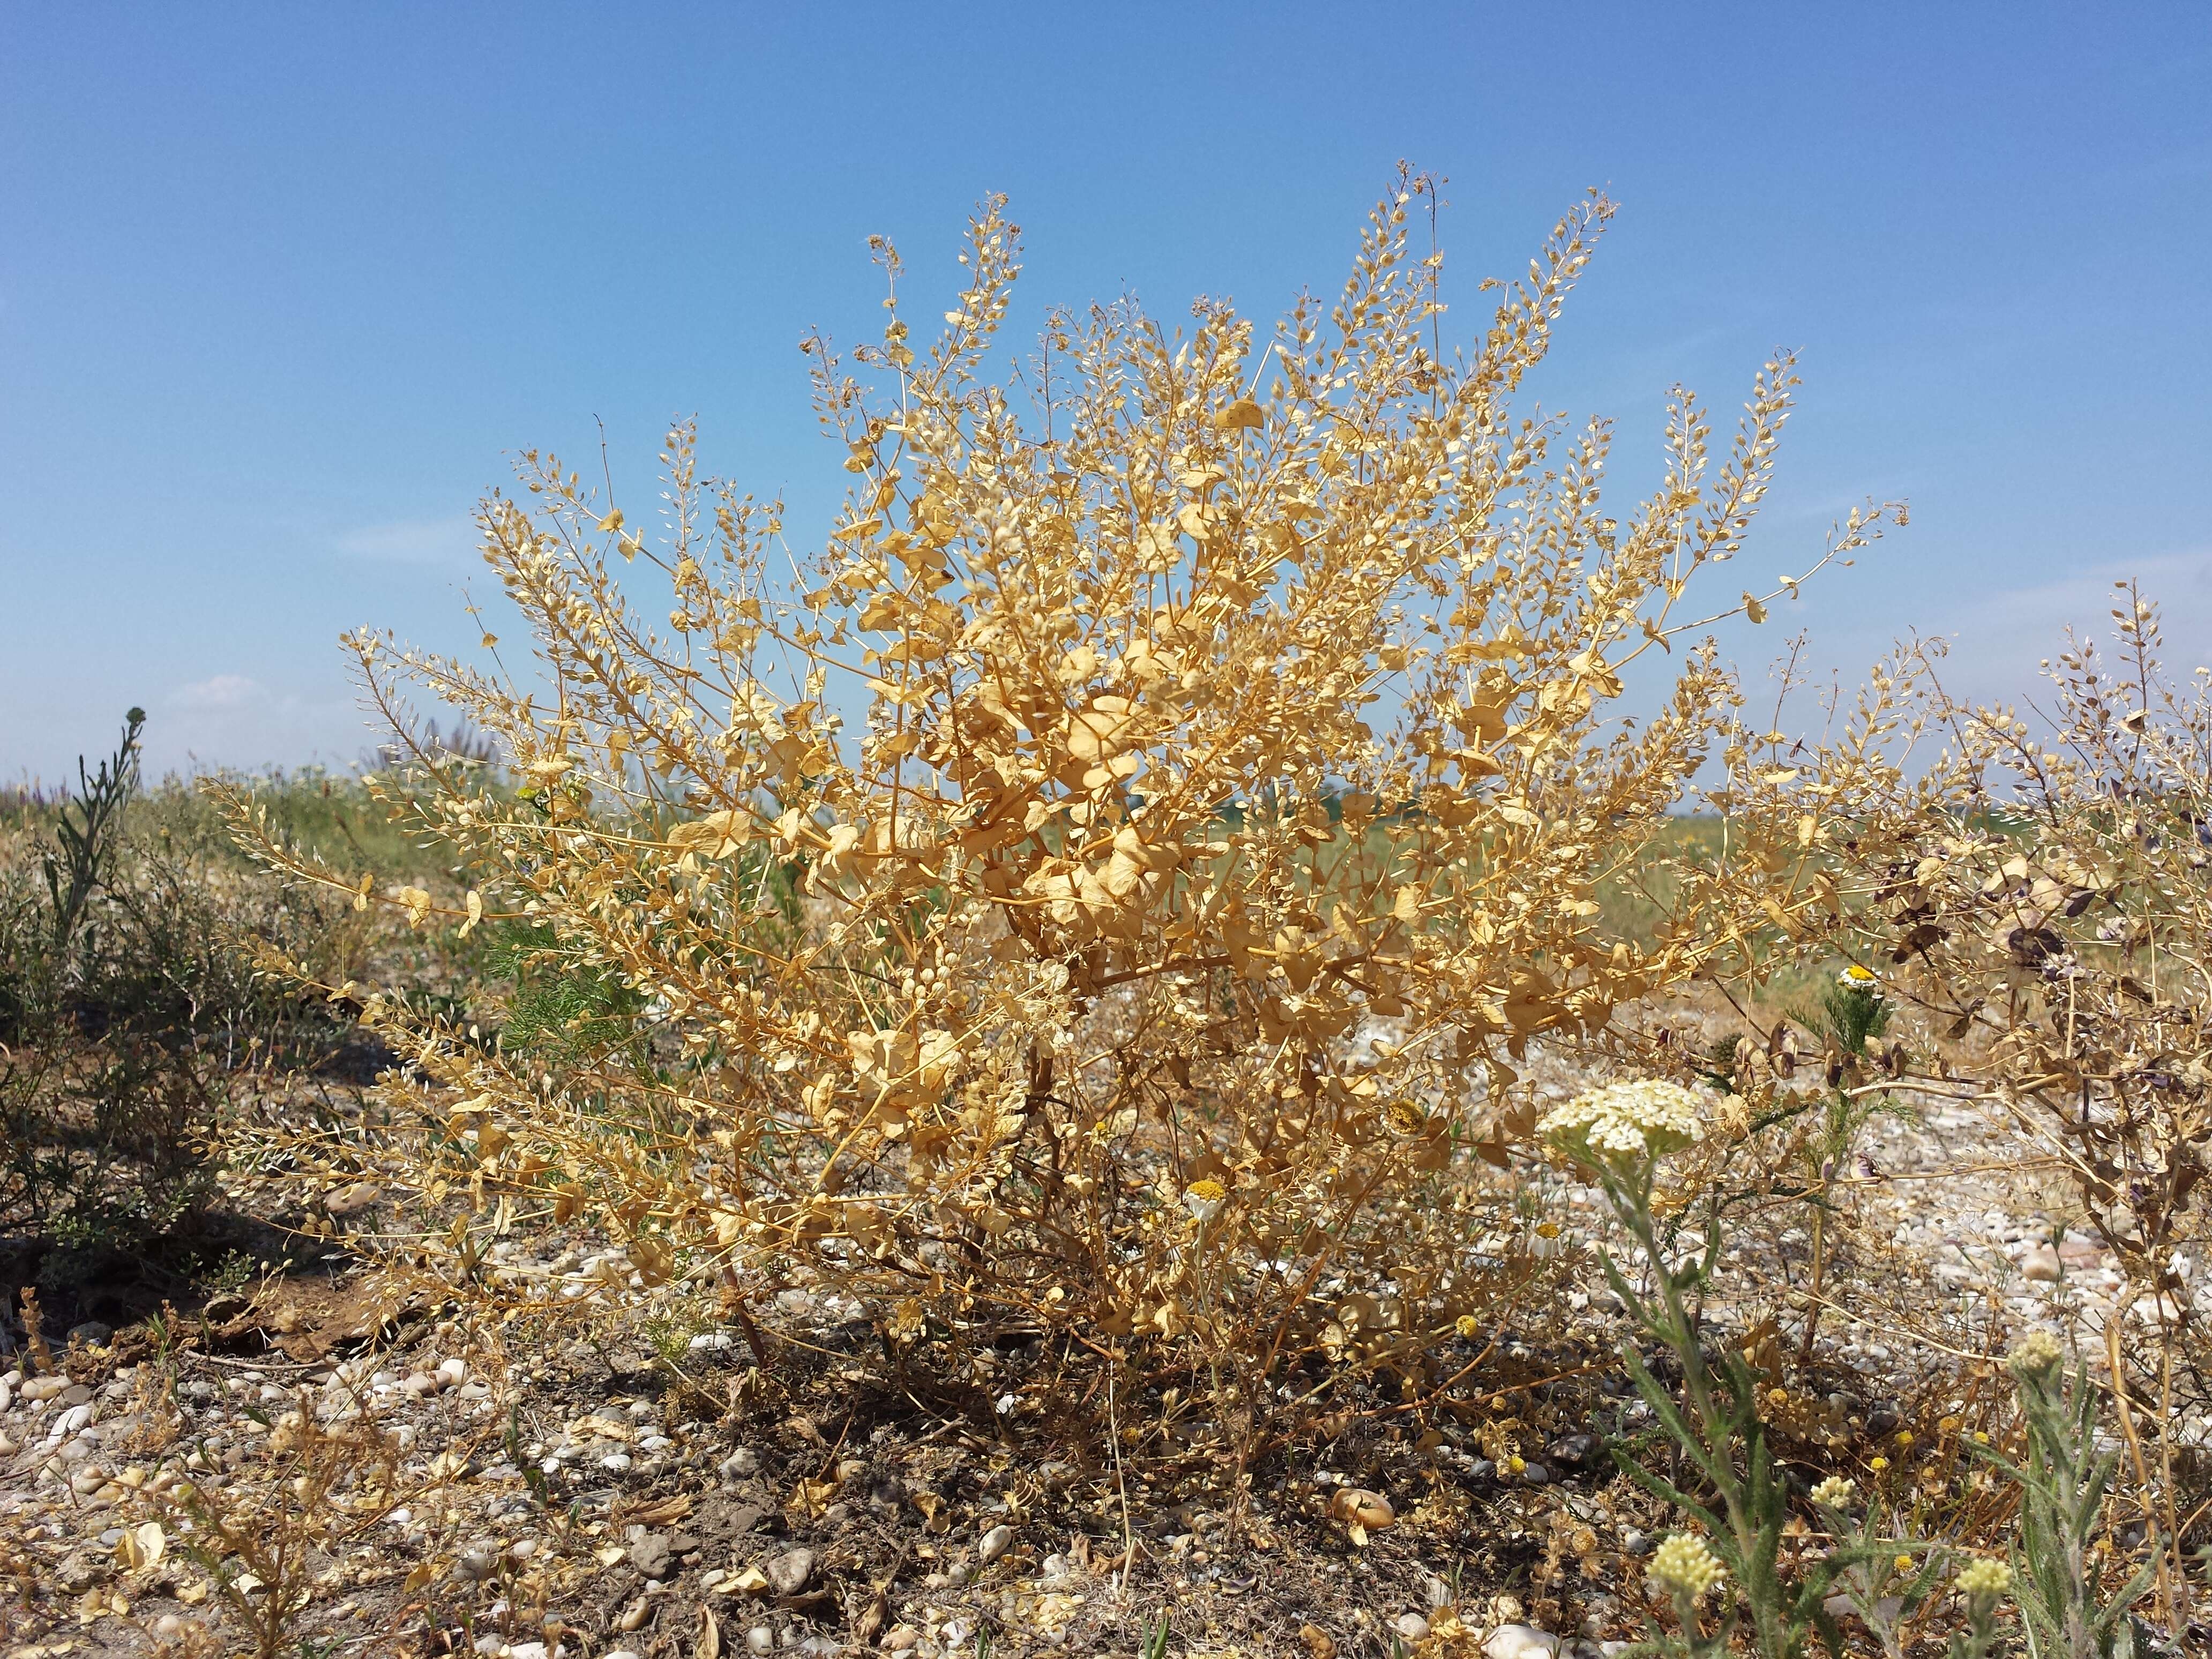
(413,541)
(221,691)
(1997,649)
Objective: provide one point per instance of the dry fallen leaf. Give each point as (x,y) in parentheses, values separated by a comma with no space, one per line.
(142,1545)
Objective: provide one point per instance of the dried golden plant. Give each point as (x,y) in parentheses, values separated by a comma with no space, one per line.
(2032,887)
(271,1542)
(1125,863)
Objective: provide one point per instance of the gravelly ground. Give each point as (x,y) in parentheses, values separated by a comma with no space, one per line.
(569,1496)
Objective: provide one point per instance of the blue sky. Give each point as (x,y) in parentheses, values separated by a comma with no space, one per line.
(280,287)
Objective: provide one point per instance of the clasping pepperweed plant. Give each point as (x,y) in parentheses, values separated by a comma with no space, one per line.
(1190,761)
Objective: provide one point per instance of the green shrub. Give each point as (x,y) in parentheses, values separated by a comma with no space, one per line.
(131,1005)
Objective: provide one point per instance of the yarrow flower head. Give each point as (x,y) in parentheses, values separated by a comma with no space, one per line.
(1204,1198)
(1984,1578)
(1683,1565)
(2037,1355)
(1835,1493)
(1626,1123)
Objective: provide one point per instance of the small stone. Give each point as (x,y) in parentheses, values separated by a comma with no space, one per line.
(650,1554)
(92,1332)
(2041,1266)
(899,1638)
(1535,1474)
(77,1574)
(760,1639)
(1572,1450)
(787,1573)
(738,1464)
(1633,1542)
(1412,1627)
(476,1565)
(994,1544)
(1520,1642)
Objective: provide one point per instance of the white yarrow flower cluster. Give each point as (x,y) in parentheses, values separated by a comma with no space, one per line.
(1984,1578)
(1683,1565)
(1626,1123)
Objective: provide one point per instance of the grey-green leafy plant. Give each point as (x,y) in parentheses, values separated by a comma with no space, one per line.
(2069,1609)
(1982,1586)
(1718,1427)
(1617,1135)
(1887,1584)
